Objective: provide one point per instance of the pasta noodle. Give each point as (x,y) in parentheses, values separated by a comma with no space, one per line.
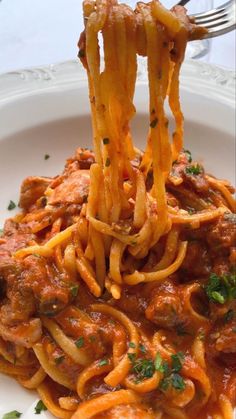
(117,281)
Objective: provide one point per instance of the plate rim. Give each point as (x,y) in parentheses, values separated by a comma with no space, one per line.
(196,76)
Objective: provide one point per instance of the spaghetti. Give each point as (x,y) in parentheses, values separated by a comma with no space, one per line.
(118,289)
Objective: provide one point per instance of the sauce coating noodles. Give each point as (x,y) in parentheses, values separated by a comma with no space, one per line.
(117,279)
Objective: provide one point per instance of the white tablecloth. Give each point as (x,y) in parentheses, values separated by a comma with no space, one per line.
(41,32)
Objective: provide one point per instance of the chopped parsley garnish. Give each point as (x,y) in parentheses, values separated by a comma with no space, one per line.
(108,162)
(161,365)
(220,289)
(131,357)
(74,290)
(79,342)
(59,359)
(177,382)
(188,155)
(12,415)
(11,205)
(158,362)
(132,345)
(177,361)
(143,368)
(153,123)
(142,348)
(193,170)
(164,383)
(46,156)
(103,362)
(171,376)
(40,406)
(106,141)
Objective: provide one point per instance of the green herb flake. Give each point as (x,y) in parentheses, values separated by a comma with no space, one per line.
(218,297)
(143,368)
(188,155)
(11,205)
(132,345)
(79,343)
(74,290)
(193,170)
(108,162)
(12,415)
(142,348)
(59,359)
(164,384)
(177,382)
(153,123)
(106,141)
(46,156)
(92,338)
(158,362)
(103,362)
(220,289)
(131,357)
(177,360)
(40,406)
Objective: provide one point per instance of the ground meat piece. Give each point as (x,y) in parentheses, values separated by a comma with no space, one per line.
(32,188)
(25,334)
(46,283)
(164,310)
(223,233)
(10,243)
(85,158)
(73,190)
(226,341)
(197,261)
(132,300)
(198,182)
(165,307)
(221,266)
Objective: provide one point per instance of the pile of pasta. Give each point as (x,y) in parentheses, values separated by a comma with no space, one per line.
(93,356)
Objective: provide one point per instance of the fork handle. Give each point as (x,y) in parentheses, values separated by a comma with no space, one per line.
(182,2)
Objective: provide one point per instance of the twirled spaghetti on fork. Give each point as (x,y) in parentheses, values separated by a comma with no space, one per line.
(117,278)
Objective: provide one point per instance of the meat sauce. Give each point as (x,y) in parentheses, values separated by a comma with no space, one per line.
(35,286)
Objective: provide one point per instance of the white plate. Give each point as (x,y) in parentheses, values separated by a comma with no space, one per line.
(46,111)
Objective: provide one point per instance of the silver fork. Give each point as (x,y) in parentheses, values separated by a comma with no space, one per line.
(217,21)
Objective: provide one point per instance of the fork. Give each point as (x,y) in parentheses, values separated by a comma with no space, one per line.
(217,21)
